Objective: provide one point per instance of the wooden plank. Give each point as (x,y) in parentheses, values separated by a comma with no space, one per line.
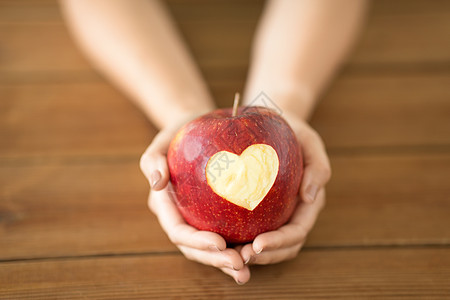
(39,47)
(94,119)
(47,11)
(77,208)
(29,11)
(347,273)
(404,39)
(70,208)
(70,119)
(204,10)
(71,189)
(386,200)
(391,41)
(25,11)
(397,34)
(408,7)
(374,111)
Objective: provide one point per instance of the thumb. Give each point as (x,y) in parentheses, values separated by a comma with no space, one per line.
(317,166)
(154,167)
(153,162)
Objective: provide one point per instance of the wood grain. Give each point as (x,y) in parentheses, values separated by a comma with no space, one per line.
(70,119)
(344,273)
(386,199)
(78,208)
(393,37)
(383,110)
(91,207)
(391,111)
(73,215)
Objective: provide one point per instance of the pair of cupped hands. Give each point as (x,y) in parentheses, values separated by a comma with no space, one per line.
(210,248)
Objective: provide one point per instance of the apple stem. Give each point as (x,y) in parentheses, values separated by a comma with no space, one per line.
(236,104)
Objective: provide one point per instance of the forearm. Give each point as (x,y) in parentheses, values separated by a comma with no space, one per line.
(298,47)
(135,45)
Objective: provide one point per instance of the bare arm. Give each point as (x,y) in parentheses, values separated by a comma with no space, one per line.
(135,44)
(298,47)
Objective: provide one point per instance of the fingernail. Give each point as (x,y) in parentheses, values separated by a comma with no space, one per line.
(311,193)
(214,248)
(247,261)
(155,178)
(239,282)
(259,251)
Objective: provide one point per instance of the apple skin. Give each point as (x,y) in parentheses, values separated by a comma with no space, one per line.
(217,131)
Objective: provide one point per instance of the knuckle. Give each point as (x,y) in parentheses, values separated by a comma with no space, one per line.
(227,255)
(325,170)
(312,136)
(221,263)
(309,136)
(180,235)
(146,162)
(262,260)
(143,162)
(188,254)
(174,237)
(293,254)
(277,243)
(285,233)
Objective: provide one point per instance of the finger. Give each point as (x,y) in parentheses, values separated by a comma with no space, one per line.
(228,258)
(247,253)
(161,141)
(317,166)
(176,228)
(275,256)
(238,248)
(295,231)
(154,166)
(153,162)
(241,277)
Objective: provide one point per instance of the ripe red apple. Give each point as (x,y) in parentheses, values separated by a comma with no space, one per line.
(237,176)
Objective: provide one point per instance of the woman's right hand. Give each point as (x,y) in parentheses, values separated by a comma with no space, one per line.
(204,247)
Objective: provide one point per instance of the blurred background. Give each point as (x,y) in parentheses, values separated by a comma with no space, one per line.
(70,185)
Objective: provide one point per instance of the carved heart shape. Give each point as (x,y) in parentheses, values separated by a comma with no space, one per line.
(243,179)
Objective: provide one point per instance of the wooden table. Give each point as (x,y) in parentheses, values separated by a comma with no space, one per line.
(73,215)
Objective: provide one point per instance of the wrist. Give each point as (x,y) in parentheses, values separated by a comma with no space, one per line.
(293,99)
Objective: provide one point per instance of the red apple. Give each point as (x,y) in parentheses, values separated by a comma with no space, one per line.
(236,176)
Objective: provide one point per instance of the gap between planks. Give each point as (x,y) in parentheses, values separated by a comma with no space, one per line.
(175,253)
(333,152)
